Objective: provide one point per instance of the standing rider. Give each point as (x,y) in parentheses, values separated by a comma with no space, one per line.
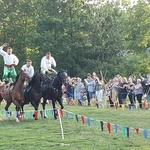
(47,63)
(10,61)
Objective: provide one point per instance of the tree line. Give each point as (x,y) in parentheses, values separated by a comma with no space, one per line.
(82,37)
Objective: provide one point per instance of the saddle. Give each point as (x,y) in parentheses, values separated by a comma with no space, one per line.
(7,88)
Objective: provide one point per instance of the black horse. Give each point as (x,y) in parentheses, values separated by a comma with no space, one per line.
(43,86)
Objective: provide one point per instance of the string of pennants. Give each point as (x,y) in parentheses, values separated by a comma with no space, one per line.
(85,120)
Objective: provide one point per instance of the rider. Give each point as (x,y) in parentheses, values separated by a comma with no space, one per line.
(10,61)
(28,68)
(47,63)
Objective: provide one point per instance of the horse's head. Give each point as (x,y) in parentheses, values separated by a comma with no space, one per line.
(62,76)
(24,76)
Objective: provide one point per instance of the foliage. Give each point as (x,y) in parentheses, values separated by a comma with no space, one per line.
(82,37)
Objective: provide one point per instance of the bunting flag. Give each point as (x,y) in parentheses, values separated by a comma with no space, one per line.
(77,118)
(144,105)
(102,125)
(67,115)
(7,114)
(109,127)
(89,122)
(145,133)
(116,105)
(96,124)
(52,112)
(73,116)
(137,106)
(3,112)
(124,131)
(128,134)
(46,113)
(26,115)
(83,120)
(137,130)
(61,113)
(103,106)
(31,114)
(123,106)
(116,129)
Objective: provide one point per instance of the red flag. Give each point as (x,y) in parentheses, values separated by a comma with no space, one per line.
(83,120)
(109,127)
(61,113)
(137,130)
(144,105)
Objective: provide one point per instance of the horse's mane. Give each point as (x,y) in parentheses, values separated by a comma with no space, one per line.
(33,79)
(17,77)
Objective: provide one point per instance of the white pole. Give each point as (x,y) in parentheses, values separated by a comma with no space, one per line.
(62,132)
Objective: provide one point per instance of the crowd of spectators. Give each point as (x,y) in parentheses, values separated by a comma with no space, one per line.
(120,90)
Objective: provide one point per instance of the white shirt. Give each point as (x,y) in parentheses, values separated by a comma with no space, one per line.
(29,70)
(9,59)
(47,63)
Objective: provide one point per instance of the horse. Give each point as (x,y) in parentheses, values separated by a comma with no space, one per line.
(54,90)
(42,86)
(14,93)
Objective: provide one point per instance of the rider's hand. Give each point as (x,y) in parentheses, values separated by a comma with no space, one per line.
(4,45)
(48,72)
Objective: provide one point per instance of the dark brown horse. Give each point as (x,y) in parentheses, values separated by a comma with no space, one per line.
(14,93)
(43,86)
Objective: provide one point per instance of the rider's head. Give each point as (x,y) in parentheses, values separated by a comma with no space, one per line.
(29,62)
(48,55)
(9,50)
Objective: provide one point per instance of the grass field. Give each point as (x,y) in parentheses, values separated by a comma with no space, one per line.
(45,134)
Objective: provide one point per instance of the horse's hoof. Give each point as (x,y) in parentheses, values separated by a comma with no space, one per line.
(17,120)
(55,118)
(45,117)
(36,118)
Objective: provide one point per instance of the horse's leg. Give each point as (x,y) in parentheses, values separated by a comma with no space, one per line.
(18,107)
(60,103)
(54,108)
(8,114)
(43,105)
(35,105)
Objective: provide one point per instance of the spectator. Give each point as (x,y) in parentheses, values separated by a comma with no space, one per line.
(139,92)
(89,82)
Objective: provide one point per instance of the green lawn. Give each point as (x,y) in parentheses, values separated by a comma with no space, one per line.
(45,134)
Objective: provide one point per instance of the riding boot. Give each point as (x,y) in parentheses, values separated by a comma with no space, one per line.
(36,114)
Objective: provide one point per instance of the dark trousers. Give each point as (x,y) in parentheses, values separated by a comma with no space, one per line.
(88,98)
(131,98)
(139,99)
